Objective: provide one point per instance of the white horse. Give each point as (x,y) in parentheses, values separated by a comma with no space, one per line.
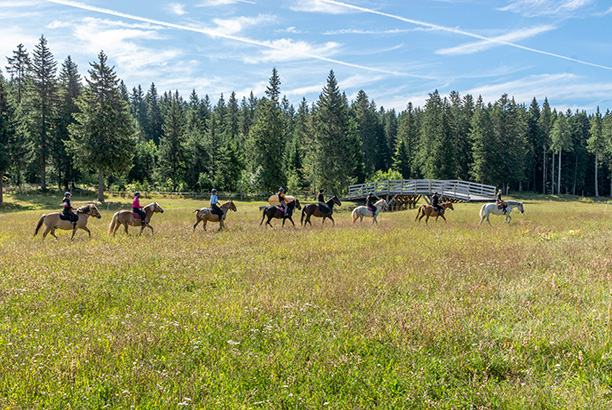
(488,209)
(362,211)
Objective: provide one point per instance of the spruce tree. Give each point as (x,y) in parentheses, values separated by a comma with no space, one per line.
(172,145)
(153,129)
(7,131)
(19,69)
(561,141)
(42,104)
(596,144)
(102,138)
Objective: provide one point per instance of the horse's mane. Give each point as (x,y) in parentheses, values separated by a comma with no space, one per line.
(84,209)
(514,202)
(380,201)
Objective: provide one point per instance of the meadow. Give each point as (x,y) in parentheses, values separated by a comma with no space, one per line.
(395,315)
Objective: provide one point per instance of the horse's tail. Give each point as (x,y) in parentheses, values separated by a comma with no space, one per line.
(196,210)
(419,212)
(482,210)
(263,215)
(40,222)
(354,215)
(302,219)
(114,222)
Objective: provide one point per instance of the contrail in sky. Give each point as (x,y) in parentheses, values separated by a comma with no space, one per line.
(214,33)
(462,32)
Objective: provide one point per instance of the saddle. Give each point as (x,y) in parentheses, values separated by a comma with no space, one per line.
(371,209)
(70,218)
(501,205)
(135,215)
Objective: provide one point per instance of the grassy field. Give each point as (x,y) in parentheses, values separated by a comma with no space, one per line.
(398,315)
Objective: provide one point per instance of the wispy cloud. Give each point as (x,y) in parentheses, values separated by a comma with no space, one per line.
(465,33)
(177,8)
(217,3)
(318,6)
(215,33)
(534,8)
(289,50)
(518,35)
(238,24)
(373,32)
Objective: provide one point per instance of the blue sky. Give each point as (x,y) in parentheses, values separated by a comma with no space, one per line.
(395,50)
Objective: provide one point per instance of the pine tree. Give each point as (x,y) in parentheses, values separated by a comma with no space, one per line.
(42,105)
(172,145)
(153,129)
(267,138)
(401,159)
(7,131)
(366,119)
(483,168)
(596,144)
(19,69)
(545,122)
(69,91)
(338,159)
(561,141)
(102,138)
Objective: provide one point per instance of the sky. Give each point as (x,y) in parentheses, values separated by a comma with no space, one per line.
(397,51)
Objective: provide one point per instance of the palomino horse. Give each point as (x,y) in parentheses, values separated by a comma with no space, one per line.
(275,212)
(314,210)
(126,218)
(488,209)
(362,211)
(429,211)
(52,221)
(205,214)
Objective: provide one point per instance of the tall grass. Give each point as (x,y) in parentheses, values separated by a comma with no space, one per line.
(395,315)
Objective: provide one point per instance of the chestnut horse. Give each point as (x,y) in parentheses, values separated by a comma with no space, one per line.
(126,218)
(205,214)
(429,211)
(52,221)
(314,210)
(275,212)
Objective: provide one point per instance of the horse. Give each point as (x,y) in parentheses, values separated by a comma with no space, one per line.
(314,210)
(275,212)
(491,208)
(205,214)
(126,218)
(362,211)
(53,221)
(429,211)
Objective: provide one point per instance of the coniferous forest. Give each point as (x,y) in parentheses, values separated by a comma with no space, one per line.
(60,128)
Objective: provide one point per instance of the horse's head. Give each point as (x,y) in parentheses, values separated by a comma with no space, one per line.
(336,200)
(157,208)
(449,205)
(94,211)
(297,203)
(382,203)
(520,207)
(231,205)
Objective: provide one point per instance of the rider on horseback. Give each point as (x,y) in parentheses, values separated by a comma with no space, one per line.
(435,203)
(67,209)
(370,199)
(214,204)
(282,200)
(500,203)
(323,208)
(137,208)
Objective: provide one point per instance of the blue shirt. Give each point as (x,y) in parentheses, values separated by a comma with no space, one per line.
(214,200)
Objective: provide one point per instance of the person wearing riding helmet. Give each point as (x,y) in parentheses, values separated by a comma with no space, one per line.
(282,200)
(500,203)
(435,202)
(214,204)
(370,202)
(136,207)
(323,208)
(67,209)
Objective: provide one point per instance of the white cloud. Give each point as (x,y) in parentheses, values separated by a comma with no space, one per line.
(177,8)
(374,32)
(533,8)
(470,48)
(236,25)
(217,3)
(290,50)
(318,6)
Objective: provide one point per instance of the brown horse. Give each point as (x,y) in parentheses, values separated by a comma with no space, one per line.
(126,218)
(428,210)
(314,210)
(205,214)
(52,221)
(275,212)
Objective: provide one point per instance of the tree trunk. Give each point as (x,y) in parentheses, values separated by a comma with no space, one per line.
(544,171)
(559,178)
(552,174)
(1,186)
(100,186)
(575,175)
(596,178)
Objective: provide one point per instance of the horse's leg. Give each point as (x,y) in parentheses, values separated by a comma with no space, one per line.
(46,232)
(204,222)
(86,229)
(196,224)
(332,219)
(74,229)
(443,217)
(125,225)
(149,226)
(291,219)
(221,224)
(488,219)
(52,232)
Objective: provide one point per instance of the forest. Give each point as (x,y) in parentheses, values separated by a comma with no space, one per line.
(61,129)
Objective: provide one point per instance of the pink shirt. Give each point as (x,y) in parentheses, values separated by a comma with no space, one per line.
(136,203)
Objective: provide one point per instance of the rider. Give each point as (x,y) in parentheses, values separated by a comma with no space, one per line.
(282,200)
(137,208)
(67,209)
(500,203)
(323,208)
(435,203)
(370,202)
(214,204)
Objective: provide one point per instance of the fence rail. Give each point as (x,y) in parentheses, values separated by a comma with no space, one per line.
(452,189)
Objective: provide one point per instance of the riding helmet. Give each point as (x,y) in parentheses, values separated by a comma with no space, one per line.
(281,189)
(67,193)
(137,193)
(214,191)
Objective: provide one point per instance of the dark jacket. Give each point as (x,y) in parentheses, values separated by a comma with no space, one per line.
(435,201)
(321,198)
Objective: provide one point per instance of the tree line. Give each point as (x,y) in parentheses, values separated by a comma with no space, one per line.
(59,128)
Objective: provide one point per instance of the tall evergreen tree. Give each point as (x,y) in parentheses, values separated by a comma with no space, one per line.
(42,106)
(596,144)
(102,138)
(19,69)
(545,121)
(7,130)
(338,159)
(172,153)
(561,141)
(153,130)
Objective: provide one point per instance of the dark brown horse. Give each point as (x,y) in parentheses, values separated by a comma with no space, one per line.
(275,212)
(429,211)
(315,210)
